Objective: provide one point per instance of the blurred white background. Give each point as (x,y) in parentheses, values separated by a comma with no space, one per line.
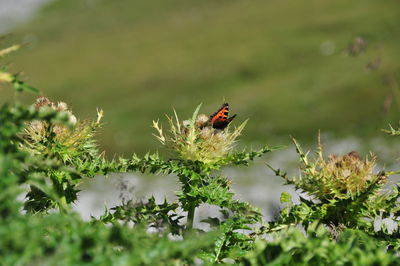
(13,12)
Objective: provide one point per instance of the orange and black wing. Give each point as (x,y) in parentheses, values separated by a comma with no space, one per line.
(220,119)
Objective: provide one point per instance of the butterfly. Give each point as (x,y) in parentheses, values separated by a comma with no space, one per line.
(220,120)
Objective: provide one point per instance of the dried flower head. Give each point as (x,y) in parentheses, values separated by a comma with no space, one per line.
(196,140)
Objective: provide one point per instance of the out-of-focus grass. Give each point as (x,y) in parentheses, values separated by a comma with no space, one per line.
(282,64)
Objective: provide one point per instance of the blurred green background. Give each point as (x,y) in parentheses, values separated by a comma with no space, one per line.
(291,67)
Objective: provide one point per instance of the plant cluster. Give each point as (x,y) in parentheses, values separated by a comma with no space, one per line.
(341,192)
(46,152)
(53,154)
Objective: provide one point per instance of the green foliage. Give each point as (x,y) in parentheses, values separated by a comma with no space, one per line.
(150,214)
(55,239)
(17,167)
(45,152)
(316,247)
(392,131)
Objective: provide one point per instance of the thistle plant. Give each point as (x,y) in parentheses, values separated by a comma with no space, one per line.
(340,192)
(196,140)
(70,143)
(338,177)
(202,150)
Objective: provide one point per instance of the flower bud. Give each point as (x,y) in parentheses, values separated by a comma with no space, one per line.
(202,120)
(186,123)
(42,101)
(61,106)
(206,133)
(72,119)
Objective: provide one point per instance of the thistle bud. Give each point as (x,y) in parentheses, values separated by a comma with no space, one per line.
(61,106)
(206,133)
(198,143)
(346,174)
(186,123)
(42,101)
(221,136)
(37,126)
(353,155)
(72,119)
(202,121)
(36,131)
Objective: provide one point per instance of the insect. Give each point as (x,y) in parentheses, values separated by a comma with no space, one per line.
(220,120)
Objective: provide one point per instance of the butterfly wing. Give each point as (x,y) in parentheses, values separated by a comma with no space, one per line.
(219,119)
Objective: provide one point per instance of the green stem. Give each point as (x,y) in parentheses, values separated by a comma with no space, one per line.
(190,217)
(63,204)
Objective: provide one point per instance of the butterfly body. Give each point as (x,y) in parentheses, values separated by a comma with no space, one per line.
(220,120)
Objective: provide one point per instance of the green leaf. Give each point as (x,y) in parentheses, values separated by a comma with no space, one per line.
(285,198)
(21,86)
